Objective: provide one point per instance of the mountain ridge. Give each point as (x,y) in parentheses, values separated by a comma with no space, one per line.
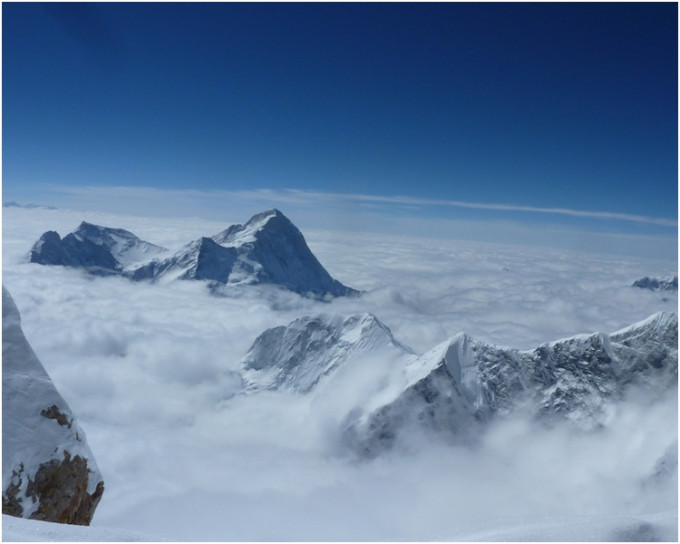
(268,249)
(462,382)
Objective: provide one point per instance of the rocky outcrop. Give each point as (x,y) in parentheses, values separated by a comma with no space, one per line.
(656,284)
(48,470)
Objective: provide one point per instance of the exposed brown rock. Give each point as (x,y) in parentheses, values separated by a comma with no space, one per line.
(60,488)
(11,504)
(53,413)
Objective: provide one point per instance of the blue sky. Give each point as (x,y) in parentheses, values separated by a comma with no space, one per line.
(527,106)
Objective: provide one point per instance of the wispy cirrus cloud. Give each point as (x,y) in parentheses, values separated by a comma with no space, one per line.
(415,201)
(306,197)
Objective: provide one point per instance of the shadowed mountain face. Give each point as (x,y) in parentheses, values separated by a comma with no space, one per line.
(655,284)
(280,255)
(48,471)
(100,250)
(268,249)
(71,251)
(462,383)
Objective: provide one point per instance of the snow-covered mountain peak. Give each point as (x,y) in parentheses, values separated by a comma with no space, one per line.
(125,247)
(296,356)
(268,249)
(98,249)
(237,235)
(464,381)
(660,321)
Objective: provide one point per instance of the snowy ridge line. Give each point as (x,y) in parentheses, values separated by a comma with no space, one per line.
(464,382)
(268,249)
(460,383)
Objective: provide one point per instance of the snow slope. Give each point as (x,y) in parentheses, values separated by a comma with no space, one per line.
(465,381)
(27,530)
(48,470)
(295,357)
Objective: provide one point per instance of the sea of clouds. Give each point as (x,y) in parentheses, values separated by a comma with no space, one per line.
(149,370)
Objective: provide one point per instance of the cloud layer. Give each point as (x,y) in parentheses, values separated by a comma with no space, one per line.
(148,369)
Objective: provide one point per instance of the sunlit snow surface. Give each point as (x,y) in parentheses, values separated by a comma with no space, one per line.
(149,370)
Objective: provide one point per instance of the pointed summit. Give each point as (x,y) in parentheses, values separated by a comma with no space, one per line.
(268,249)
(296,356)
(268,220)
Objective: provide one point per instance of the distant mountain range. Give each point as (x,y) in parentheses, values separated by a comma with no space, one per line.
(268,249)
(462,383)
(13,204)
(655,284)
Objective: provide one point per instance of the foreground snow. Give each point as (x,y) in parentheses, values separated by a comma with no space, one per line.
(26,530)
(662,527)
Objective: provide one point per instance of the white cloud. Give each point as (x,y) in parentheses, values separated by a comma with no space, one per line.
(145,368)
(305,197)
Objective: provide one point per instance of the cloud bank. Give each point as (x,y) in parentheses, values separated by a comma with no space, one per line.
(149,371)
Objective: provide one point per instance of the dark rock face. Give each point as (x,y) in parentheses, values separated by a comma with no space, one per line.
(48,471)
(655,284)
(51,249)
(202,259)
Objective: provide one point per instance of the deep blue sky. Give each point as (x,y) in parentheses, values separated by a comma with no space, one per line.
(543,105)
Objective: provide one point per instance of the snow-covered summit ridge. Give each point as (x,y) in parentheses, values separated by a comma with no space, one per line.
(48,470)
(463,381)
(236,235)
(125,247)
(100,250)
(268,249)
(296,356)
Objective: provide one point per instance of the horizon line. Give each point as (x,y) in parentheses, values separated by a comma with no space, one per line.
(302,196)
